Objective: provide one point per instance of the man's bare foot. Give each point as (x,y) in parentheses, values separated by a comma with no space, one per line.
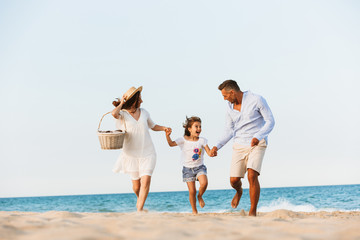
(201,201)
(236,199)
(252,214)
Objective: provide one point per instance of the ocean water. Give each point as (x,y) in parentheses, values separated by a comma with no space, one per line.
(305,199)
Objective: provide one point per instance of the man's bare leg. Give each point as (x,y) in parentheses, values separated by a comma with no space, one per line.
(236,184)
(203,185)
(254,190)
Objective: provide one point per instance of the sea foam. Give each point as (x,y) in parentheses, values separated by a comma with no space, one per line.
(282,203)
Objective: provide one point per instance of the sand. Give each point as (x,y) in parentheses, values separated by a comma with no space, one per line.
(280,224)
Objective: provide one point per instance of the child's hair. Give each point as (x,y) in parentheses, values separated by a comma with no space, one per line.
(188,123)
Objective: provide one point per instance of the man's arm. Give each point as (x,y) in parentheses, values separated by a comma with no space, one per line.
(228,133)
(269,121)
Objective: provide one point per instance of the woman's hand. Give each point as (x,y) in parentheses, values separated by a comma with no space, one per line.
(122,100)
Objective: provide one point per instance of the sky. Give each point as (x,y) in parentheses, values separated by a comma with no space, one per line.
(62,63)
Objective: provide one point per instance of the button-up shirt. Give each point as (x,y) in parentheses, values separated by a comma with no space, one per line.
(255,120)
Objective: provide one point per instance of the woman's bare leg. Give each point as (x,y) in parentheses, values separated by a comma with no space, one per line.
(144,191)
(136,187)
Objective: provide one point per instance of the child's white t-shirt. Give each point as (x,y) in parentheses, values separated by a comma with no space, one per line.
(192,152)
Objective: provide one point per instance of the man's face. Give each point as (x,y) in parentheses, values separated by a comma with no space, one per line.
(228,95)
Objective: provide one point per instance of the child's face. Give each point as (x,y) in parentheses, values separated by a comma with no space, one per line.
(195,129)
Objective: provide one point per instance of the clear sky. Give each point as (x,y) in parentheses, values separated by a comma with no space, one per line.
(62,63)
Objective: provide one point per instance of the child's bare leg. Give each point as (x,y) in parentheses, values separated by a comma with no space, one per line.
(192,196)
(203,185)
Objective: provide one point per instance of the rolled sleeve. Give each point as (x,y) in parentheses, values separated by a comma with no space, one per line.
(265,111)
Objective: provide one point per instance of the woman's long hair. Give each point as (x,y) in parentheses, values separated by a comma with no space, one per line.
(133,101)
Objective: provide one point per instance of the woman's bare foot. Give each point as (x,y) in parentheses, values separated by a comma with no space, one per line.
(236,199)
(142,210)
(201,201)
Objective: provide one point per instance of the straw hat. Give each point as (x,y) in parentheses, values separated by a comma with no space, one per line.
(131,92)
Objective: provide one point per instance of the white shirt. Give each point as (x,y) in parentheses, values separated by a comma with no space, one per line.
(255,120)
(192,152)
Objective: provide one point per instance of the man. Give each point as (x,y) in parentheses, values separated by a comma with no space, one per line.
(249,121)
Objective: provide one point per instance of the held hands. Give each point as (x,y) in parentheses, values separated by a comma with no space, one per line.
(168,131)
(213,152)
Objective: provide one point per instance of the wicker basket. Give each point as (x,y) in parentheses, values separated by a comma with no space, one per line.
(110,139)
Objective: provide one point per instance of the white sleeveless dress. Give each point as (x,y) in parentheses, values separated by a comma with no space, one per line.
(138,152)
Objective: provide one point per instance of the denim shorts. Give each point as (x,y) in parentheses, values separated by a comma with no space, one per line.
(191,174)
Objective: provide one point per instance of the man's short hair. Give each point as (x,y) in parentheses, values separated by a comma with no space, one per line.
(229,85)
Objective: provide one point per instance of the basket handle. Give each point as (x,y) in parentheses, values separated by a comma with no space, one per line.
(104,116)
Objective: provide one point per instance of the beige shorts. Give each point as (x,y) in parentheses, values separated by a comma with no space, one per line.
(245,157)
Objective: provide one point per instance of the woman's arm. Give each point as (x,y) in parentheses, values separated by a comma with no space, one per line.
(159,128)
(168,138)
(116,110)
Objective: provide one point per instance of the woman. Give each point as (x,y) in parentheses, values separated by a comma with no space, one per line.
(138,156)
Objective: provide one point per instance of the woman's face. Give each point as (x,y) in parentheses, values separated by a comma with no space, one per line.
(139,101)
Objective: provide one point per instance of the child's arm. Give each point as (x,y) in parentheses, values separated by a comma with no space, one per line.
(208,151)
(168,138)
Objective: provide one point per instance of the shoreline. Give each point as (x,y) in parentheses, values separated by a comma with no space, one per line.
(278,224)
(172,191)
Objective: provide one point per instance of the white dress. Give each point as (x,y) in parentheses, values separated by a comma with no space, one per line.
(138,152)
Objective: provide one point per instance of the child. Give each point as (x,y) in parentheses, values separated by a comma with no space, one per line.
(192,156)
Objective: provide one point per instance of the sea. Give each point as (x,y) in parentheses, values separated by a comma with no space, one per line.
(299,199)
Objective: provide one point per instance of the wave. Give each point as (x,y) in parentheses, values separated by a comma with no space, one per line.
(282,203)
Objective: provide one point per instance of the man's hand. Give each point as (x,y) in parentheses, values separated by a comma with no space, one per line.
(213,152)
(254,142)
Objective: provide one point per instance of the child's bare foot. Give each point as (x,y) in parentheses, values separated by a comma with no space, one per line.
(235,201)
(201,201)
(194,212)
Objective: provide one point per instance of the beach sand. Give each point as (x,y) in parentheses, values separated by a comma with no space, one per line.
(280,224)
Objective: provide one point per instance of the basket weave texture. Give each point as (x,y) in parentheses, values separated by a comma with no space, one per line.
(110,139)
